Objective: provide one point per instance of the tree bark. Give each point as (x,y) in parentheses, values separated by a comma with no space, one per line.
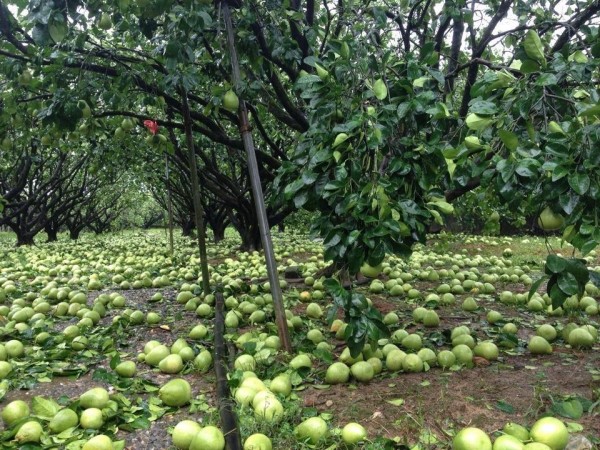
(24,239)
(218,232)
(187,226)
(250,238)
(52,235)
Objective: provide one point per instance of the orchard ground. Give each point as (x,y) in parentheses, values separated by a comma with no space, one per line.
(425,408)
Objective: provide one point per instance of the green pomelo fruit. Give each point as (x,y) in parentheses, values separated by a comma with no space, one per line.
(91,418)
(376,364)
(176,392)
(550,431)
(15,411)
(29,432)
(370,271)
(446,359)
(231,101)
(412,363)
(516,430)
(418,313)
(258,441)
(126,369)
(244,395)
(464,355)
(580,338)
(465,339)
(539,346)
(178,345)
(315,336)
(209,438)
(536,446)
(184,432)
(281,384)
(469,304)
(549,220)
(547,331)
(150,345)
(99,442)
(394,359)
(362,371)
(314,311)
(312,430)
(471,439)
(427,356)
(187,354)
(203,361)
(353,433)
(487,350)
(245,362)
(5,369)
(391,318)
(493,317)
(14,348)
(171,364)
(153,318)
(269,409)
(337,373)
(508,442)
(412,342)
(63,419)
(431,319)
(299,361)
(198,332)
(94,398)
(157,354)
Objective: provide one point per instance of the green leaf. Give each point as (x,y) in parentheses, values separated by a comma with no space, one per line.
(529,66)
(595,278)
(44,408)
(547,79)
(483,107)
(579,269)
(477,123)
(556,294)
(533,47)
(535,286)
(555,264)
(591,111)
(579,182)
(505,407)
(568,283)
(115,361)
(509,139)
(571,409)
(396,402)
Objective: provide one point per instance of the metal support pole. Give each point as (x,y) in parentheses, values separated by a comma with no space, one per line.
(257,192)
(198,210)
(169,204)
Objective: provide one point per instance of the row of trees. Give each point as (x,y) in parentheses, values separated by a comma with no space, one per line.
(49,183)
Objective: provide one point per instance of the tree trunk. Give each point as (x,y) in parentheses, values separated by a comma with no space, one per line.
(187,227)
(218,232)
(24,239)
(250,238)
(52,233)
(74,233)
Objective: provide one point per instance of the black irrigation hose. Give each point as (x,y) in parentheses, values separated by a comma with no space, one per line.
(225,403)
